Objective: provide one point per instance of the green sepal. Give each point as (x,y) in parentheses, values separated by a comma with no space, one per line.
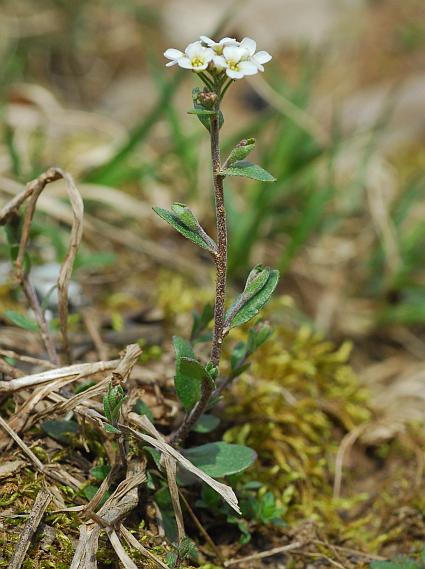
(240,151)
(248,170)
(247,309)
(190,234)
(205,115)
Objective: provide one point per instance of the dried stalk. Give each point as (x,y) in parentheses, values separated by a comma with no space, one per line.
(10,211)
(40,505)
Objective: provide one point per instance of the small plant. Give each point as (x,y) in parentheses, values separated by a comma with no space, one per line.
(217,65)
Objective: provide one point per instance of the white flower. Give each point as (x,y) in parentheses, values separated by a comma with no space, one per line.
(249,45)
(219,46)
(238,63)
(195,56)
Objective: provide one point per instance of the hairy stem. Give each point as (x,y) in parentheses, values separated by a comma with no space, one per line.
(221,277)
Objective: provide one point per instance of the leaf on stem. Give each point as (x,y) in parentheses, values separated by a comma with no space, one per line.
(191,234)
(246,169)
(188,378)
(20,320)
(240,151)
(246,306)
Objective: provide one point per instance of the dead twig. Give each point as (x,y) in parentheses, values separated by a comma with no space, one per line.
(32,193)
(40,505)
(264,554)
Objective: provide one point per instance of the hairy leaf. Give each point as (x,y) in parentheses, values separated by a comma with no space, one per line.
(175,222)
(252,307)
(249,170)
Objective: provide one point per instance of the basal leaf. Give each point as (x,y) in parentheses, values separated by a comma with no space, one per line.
(206,424)
(252,307)
(188,388)
(221,459)
(20,320)
(249,170)
(61,431)
(190,234)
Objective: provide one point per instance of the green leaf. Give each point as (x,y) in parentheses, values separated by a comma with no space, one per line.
(401,563)
(248,170)
(201,112)
(188,388)
(201,321)
(90,492)
(61,431)
(111,429)
(175,222)
(241,151)
(206,424)
(185,215)
(221,459)
(257,278)
(253,306)
(100,472)
(141,408)
(21,320)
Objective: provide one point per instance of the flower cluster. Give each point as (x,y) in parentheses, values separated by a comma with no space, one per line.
(235,59)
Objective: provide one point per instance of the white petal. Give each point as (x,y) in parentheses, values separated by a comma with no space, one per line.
(248,67)
(234,74)
(250,45)
(228,41)
(171,63)
(193,49)
(232,53)
(185,62)
(173,53)
(207,40)
(262,57)
(219,62)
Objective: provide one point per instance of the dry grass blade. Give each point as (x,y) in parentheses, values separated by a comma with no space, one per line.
(171,470)
(68,264)
(78,371)
(40,505)
(264,554)
(119,549)
(36,461)
(157,441)
(123,500)
(132,542)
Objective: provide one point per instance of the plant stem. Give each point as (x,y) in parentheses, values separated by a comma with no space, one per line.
(221,277)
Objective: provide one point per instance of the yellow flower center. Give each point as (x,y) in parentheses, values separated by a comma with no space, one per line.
(197,61)
(233,65)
